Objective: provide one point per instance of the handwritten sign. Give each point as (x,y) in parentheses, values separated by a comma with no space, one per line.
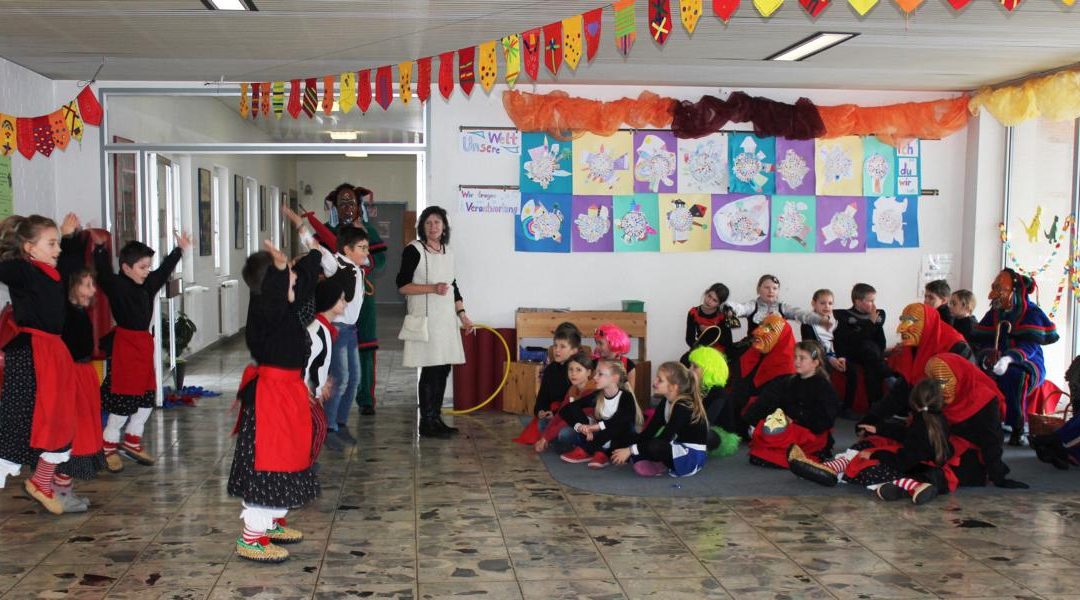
(494,142)
(489,200)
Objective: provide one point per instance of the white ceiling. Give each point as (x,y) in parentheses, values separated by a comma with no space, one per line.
(935,49)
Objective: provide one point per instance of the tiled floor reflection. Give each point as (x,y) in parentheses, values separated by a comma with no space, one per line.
(479,517)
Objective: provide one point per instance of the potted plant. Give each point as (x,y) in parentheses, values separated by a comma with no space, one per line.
(185,330)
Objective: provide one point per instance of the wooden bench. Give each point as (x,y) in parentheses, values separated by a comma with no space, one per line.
(523,383)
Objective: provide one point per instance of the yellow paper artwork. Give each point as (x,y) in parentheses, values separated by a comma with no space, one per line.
(684,222)
(603,166)
(767,7)
(862,6)
(689,13)
(488,66)
(571,35)
(838,166)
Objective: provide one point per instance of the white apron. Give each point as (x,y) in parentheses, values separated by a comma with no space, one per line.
(444,332)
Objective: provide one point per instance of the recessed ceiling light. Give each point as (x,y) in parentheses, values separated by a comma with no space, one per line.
(356,155)
(229,4)
(344,135)
(817,43)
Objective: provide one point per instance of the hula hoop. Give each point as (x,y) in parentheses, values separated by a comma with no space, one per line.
(506,375)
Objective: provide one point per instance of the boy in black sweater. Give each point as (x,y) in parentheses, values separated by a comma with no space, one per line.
(860,338)
(961,306)
(554,381)
(937,294)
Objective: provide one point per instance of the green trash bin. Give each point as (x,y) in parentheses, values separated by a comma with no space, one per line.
(633,306)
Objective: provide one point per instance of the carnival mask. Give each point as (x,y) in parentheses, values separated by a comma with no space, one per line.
(776,422)
(346,206)
(1001,291)
(912,323)
(767,334)
(939,369)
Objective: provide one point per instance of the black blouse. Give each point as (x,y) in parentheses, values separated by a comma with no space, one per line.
(274,334)
(810,402)
(132,304)
(78,333)
(37,301)
(410,259)
(680,427)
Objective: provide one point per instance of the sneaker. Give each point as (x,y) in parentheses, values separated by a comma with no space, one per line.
(344,435)
(649,468)
(599,461)
(924,493)
(575,456)
(890,491)
(333,442)
(50,501)
(261,551)
(281,534)
(367,410)
(113,462)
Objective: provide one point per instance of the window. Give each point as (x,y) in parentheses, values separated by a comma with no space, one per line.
(215,218)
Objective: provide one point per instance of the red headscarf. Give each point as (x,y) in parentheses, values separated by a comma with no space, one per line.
(779,361)
(974,389)
(937,337)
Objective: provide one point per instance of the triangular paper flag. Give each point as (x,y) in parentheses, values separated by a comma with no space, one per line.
(553,47)
(571,40)
(9,135)
(592,31)
(511,47)
(264,99)
(423,78)
(725,8)
(256,99)
(73,119)
(446,74)
(625,25)
(347,91)
(405,81)
(43,139)
(363,90)
(689,13)
(278,100)
(958,4)
(1069,2)
(660,20)
(25,136)
(294,98)
(862,6)
(1010,5)
(384,86)
(767,7)
(814,7)
(467,69)
(530,52)
(89,107)
(908,6)
(328,94)
(311,96)
(488,66)
(245,108)
(60,134)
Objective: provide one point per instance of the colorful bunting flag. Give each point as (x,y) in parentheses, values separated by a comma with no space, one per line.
(328,94)
(908,6)
(311,96)
(405,81)
(1069,2)
(625,25)
(278,99)
(24,128)
(43,139)
(725,9)
(767,7)
(245,108)
(89,107)
(467,69)
(862,6)
(256,99)
(553,47)
(9,136)
(489,65)
(384,86)
(264,99)
(592,31)
(1010,5)
(363,90)
(423,78)
(530,50)
(60,134)
(294,98)
(958,4)
(660,20)
(347,92)
(814,7)
(73,120)
(689,13)
(511,47)
(571,40)
(446,74)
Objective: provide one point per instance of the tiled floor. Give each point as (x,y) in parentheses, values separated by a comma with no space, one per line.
(479,517)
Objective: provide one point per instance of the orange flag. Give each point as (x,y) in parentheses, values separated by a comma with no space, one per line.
(328,94)
(405,81)
(60,134)
(908,6)
(245,108)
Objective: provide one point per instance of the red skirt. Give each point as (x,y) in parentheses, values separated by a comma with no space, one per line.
(283,427)
(88,439)
(132,369)
(773,447)
(53,425)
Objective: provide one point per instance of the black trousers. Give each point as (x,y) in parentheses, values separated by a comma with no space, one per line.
(431,388)
(871,358)
(984,430)
(657,450)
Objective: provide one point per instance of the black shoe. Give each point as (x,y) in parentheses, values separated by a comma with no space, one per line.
(444,427)
(1016,438)
(429,429)
(367,410)
(344,435)
(333,442)
(890,492)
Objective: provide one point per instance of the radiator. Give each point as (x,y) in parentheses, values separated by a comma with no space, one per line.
(229,307)
(198,306)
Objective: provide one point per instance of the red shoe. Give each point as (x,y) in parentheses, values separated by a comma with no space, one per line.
(599,461)
(575,456)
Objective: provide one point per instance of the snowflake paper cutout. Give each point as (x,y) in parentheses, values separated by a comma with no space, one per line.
(792,169)
(543,166)
(888,220)
(594,224)
(838,165)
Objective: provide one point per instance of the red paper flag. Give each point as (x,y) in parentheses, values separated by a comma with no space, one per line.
(814,7)
(1010,5)
(311,97)
(423,78)
(328,94)
(446,74)
(43,138)
(530,51)
(958,4)
(725,8)
(363,90)
(467,69)
(24,136)
(384,86)
(553,47)
(256,91)
(59,129)
(264,100)
(660,20)
(89,107)
(294,98)
(592,31)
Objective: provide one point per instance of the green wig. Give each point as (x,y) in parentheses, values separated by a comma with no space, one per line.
(713,365)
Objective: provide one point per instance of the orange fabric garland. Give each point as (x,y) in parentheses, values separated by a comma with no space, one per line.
(563,116)
(896,122)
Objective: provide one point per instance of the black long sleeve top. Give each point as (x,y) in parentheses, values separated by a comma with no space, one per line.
(554,382)
(78,333)
(854,327)
(679,427)
(37,301)
(914,438)
(274,334)
(132,304)
(410,259)
(617,425)
(810,402)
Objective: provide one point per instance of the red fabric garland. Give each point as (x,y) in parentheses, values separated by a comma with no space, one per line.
(363,90)
(467,69)
(423,78)
(446,74)
(799,121)
(553,51)
(384,86)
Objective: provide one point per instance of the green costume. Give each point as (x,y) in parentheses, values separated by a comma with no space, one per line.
(365,325)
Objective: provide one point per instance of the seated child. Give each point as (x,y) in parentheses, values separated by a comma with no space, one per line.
(797,409)
(768,303)
(579,370)
(860,338)
(822,303)
(710,368)
(615,416)
(962,307)
(771,355)
(614,343)
(553,381)
(674,441)
(936,294)
(711,313)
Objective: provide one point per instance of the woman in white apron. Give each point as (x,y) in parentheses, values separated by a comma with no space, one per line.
(427,280)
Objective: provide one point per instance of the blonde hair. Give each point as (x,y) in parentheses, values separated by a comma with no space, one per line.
(16,231)
(966,299)
(689,389)
(619,371)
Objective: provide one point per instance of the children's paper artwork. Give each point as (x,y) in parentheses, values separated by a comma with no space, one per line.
(545,164)
(543,224)
(654,161)
(838,164)
(684,222)
(753,164)
(637,223)
(592,226)
(793,224)
(908,170)
(740,222)
(794,167)
(908,148)
(603,165)
(841,223)
(703,165)
(893,222)
(879,168)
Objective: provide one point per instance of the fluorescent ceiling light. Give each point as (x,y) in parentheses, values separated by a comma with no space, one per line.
(344,135)
(819,42)
(229,4)
(356,155)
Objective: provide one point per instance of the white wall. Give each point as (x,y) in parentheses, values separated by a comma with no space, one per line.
(24,93)
(495,280)
(391,176)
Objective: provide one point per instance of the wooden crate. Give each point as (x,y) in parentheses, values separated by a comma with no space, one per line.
(642,383)
(522,385)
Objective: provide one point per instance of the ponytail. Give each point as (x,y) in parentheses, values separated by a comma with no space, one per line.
(928,398)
